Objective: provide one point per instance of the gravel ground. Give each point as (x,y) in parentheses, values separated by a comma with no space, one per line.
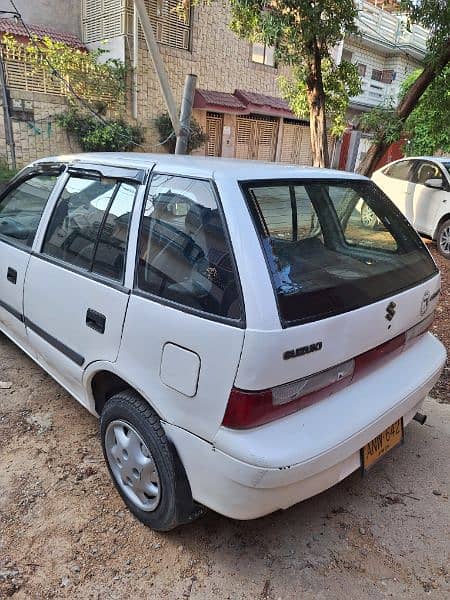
(64,532)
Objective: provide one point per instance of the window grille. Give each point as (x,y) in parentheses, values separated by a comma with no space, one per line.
(103,19)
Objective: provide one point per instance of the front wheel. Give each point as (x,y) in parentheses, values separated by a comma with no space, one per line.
(144,465)
(443,238)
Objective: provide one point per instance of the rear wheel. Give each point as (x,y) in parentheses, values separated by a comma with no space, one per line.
(443,238)
(368,218)
(144,465)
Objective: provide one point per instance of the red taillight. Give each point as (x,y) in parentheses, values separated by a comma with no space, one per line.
(249,409)
(246,409)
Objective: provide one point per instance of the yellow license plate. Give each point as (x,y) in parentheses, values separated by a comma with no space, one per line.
(379,446)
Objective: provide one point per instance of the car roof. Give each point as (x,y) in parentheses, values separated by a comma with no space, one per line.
(200,166)
(438,159)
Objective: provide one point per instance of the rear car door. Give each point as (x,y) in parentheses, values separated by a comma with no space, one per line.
(427,201)
(75,296)
(21,207)
(395,181)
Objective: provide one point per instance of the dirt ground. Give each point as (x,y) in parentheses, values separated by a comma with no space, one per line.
(64,531)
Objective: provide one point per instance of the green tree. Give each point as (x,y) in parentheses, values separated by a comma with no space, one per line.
(81,73)
(197,137)
(435,16)
(304,32)
(340,82)
(428,126)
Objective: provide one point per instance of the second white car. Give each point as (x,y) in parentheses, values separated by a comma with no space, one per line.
(420,188)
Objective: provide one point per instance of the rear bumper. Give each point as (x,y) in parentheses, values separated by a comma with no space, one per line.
(258,471)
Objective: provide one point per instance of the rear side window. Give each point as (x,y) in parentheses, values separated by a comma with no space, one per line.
(22,207)
(184,254)
(426,170)
(325,252)
(399,170)
(89,226)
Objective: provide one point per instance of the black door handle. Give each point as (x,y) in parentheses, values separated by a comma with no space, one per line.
(11,275)
(95,320)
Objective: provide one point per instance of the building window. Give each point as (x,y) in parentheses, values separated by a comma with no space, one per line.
(387,76)
(347,55)
(361,69)
(377,75)
(263,54)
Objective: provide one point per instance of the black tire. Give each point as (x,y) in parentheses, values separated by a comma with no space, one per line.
(443,238)
(175,505)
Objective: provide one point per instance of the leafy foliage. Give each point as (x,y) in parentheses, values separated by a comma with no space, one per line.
(6,173)
(87,73)
(383,122)
(113,135)
(340,83)
(434,15)
(428,126)
(167,137)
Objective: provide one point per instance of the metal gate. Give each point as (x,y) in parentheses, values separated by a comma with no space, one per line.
(296,144)
(256,137)
(214,128)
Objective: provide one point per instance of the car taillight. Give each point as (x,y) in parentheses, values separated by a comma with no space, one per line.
(249,409)
(419,329)
(246,409)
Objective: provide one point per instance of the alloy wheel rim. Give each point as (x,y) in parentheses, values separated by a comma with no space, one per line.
(132,465)
(444,241)
(368,217)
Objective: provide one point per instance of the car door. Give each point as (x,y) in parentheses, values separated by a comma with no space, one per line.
(395,181)
(21,207)
(75,296)
(427,201)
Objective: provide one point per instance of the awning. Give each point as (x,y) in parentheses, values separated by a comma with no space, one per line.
(242,102)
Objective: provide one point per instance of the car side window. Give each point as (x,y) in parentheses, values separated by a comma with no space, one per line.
(426,170)
(22,207)
(399,170)
(89,225)
(184,254)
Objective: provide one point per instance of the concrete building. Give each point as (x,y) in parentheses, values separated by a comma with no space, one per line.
(385,53)
(62,15)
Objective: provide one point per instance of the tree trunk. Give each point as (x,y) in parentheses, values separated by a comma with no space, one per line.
(405,108)
(317,116)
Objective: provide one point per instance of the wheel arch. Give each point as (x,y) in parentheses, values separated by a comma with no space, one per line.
(445,217)
(103,383)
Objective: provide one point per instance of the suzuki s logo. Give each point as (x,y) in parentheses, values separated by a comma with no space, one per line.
(302,351)
(390,311)
(425,302)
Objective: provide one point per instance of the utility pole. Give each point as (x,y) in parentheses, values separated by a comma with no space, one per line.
(9,134)
(185,115)
(159,65)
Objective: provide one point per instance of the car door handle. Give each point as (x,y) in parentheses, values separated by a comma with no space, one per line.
(95,320)
(11,275)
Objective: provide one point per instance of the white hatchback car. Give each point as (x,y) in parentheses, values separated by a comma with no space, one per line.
(420,188)
(246,342)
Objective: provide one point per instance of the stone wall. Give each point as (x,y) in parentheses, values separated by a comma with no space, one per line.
(39,136)
(220,60)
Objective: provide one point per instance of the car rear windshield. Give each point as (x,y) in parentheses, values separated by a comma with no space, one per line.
(333,245)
